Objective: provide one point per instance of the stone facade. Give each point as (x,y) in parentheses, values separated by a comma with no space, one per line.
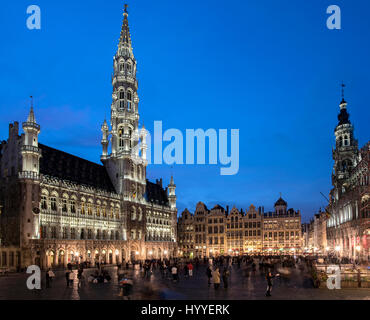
(57,208)
(348,228)
(218,231)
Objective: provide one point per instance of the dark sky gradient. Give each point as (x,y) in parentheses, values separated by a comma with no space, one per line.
(269,68)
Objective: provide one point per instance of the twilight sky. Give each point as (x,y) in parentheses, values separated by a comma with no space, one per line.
(269,68)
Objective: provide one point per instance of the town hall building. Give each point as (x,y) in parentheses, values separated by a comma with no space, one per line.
(56,208)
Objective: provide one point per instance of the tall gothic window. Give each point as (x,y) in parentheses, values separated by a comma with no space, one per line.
(129,100)
(121,100)
(53,203)
(73,206)
(346,141)
(44,202)
(121,139)
(121,67)
(64,205)
(129,68)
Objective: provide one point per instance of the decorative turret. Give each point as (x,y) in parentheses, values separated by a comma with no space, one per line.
(281,206)
(30,151)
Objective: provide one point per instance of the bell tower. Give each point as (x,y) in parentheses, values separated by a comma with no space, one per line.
(345,152)
(126,160)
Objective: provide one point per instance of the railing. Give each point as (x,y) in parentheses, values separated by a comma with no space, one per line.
(31,124)
(29,175)
(31,149)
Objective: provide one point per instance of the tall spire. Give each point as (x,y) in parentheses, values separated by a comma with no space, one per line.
(31,116)
(125,31)
(343,102)
(343,116)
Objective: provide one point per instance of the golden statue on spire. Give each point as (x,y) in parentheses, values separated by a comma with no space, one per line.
(126,7)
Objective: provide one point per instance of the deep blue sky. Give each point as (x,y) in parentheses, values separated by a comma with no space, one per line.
(269,68)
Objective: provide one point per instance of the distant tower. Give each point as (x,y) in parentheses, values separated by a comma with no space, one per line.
(126,163)
(30,180)
(172,194)
(346,148)
(30,150)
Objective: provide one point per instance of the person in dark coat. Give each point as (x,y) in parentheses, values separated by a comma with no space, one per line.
(269,278)
(209,275)
(225,278)
(67,278)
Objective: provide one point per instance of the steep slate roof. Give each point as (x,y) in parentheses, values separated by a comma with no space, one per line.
(65,166)
(155,192)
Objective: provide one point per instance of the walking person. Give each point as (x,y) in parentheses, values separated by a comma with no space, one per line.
(269,278)
(174,273)
(67,277)
(216,278)
(209,275)
(71,278)
(80,277)
(190,268)
(225,277)
(47,276)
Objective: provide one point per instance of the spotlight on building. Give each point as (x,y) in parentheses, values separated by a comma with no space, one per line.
(150,252)
(358,248)
(117,252)
(327,248)
(165,251)
(137,253)
(337,248)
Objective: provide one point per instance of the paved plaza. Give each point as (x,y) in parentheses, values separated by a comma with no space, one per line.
(297,287)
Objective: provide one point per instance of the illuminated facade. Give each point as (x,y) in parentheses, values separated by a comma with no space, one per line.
(219,232)
(57,208)
(348,228)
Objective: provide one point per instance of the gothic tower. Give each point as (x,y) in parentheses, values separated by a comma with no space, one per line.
(30,181)
(126,161)
(172,194)
(345,152)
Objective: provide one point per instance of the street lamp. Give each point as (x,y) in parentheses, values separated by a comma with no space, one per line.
(358,248)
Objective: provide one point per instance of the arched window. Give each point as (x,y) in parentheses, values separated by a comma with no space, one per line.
(105,210)
(89,208)
(129,68)
(121,67)
(44,202)
(121,139)
(129,100)
(121,99)
(346,141)
(53,203)
(83,206)
(73,205)
(133,213)
(340,141)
